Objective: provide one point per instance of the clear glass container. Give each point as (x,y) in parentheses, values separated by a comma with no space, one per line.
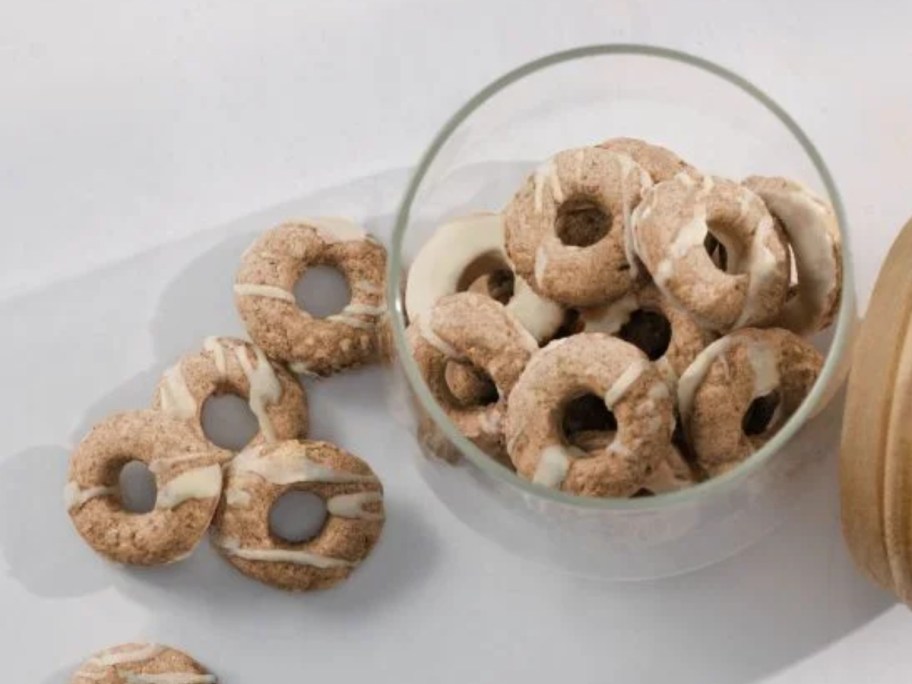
(720,123)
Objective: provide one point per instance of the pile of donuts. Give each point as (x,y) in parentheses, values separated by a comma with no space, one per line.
(202,487)
(627,325)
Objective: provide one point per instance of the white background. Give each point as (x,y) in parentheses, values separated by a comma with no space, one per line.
(125,126)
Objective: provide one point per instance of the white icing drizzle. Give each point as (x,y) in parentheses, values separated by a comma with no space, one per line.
(237,497)
(540,316)
(233,548)
(196,483)
(625,381)
(541,264)
(290,466)
(546,173)
(352,505)
(265,388)
(659,391)
(175,396)
(365,310)
(424,327)
(134,655)
(611,317)
(75,497)
(161,464)
(213,345)
(267,291)
(351,321)
(761,270)
(811,228)
(367,287)
(334,229)
(553,464)
(301,368)
(764,363)
(693,377)
(169,678)
(490,422)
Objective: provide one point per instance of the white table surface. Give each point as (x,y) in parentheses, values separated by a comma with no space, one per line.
(126,126)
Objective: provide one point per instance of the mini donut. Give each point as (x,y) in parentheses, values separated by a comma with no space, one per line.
(813,232)
(476,329)
(142,664)
(475,242)
(669,336)
(566,227)
(264,295)
(260,475)
(227,365)
(188,475)
(672,474)
(740,390)
(660,163)
(669,229)
(589,363)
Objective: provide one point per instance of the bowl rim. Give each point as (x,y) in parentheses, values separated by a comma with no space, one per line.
(395,294)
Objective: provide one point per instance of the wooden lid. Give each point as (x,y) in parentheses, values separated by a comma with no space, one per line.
(876,453)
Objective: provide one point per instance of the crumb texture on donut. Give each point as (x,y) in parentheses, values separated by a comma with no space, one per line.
(140,663)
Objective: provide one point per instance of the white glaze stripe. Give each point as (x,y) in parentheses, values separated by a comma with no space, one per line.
(74,497)
(693,377)
(196,483)
(352,505)
(265,388)
(553,464)
(625,381)
(290,466)
(267,291)
(424,327)
(169,678)
(761,270)
(367,287)
(162,464)
(214,346)
(233,548)
(134,655)
(764,363)
(175,396)
(350,321)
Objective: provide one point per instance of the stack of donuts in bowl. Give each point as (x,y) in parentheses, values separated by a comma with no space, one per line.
(627,325)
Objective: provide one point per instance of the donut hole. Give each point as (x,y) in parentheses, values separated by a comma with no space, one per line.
(469,385)
(581,222)
(489,275)
(322,291)
(297,517)
(585,417)
(650,331)
(138,490)
(761,414)
(228,421)
(723,252)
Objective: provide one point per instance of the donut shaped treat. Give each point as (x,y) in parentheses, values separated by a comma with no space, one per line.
(142,664)
(468,254)
(566,226)
(813,233)
(259,476)
(227,365)
(631,388)
(740,390)
(660,163)
(475,329)
(265,298)
(669,336)
(670,230)
(188,475)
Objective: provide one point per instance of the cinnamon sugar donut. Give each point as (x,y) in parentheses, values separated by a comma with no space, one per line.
(660,163)
(813,233)
(464,254)
(740,390)
(142,664)
(669,229)
(260,475)
(227,365)
(669,336)
(188,476)
(565,228)
(265,298)
(631,388)
(473,328)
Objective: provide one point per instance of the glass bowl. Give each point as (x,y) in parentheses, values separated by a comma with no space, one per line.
(720,123)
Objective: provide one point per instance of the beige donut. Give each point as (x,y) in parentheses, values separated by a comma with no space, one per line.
(142,664)
(660,163)
(740,390)
(669,336)
(813,233)
(188,476)
(474,246)
(227,365)
(565,228)
(473,328)
(589,363)
(259,476)
(669,229)
(264,295)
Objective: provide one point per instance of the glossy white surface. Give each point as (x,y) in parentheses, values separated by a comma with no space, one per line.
(134,129)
